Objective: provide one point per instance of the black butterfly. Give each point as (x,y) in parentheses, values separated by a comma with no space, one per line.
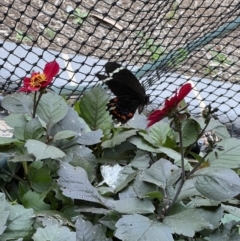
(130,94)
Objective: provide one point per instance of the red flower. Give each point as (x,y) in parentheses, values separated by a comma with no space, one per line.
(170,105)
(39,81)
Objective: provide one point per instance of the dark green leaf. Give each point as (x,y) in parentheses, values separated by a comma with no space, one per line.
(93,109)
(39,178)
(110,220)
(217,183)
(42,151)
(7,141)
(35,201)
(139,228)
(190,132)
(3,213)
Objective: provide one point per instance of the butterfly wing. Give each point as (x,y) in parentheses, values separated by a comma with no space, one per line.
(130,94)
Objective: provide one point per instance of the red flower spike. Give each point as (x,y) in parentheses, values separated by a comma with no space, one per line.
(170,105)
(38,80)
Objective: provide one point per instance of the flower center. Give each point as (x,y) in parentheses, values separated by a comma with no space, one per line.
(37,80)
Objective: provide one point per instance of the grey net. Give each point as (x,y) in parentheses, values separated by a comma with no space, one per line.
(165,43)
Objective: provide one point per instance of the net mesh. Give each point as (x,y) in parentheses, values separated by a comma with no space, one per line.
(194,41)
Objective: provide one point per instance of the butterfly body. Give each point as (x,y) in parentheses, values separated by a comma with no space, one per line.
(130,94)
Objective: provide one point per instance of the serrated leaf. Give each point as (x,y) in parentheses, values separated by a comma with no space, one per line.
(33,129)
(93,109)
(18,103)
(66,134)
(42,151)
(82,188)
(54,233)
(19,222)
(52,108)
(190,221)
(228,157)
(134,205)
(224,182)
(139,228)
(118,138)
(85,231)
(159,133)
(35,201)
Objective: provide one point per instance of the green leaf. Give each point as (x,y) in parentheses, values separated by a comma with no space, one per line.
(18,103)
(54,233)
(159,133)
(16,120)
(93,109)
(85,231)
(90,138)
(159,172)
(217,183)
(118,138)
(52,108)
(8,141)
(82,188)
(3,213)
(22,158)
(141,160)
(190,132)
(33,129)
(232,210)
(228,157)
(134,205)
(110,219)
(219,129)
(35,201)
(42,151)
(139,228)
(142,145)
(39,178)
(19,223)
(190,221)
(117,177)
(65,134)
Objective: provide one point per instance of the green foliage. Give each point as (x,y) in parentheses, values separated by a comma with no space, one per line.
(75,176)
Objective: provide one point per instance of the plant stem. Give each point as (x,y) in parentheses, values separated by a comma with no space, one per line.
(183,173)
(34,104)
(25,168)
(196,167)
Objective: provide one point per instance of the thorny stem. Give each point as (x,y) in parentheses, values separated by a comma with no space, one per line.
(183,172)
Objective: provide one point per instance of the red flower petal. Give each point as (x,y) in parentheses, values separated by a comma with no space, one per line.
(51,70)
(156,116)
(184,91)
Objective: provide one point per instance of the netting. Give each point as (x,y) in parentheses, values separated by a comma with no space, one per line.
(173,42)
